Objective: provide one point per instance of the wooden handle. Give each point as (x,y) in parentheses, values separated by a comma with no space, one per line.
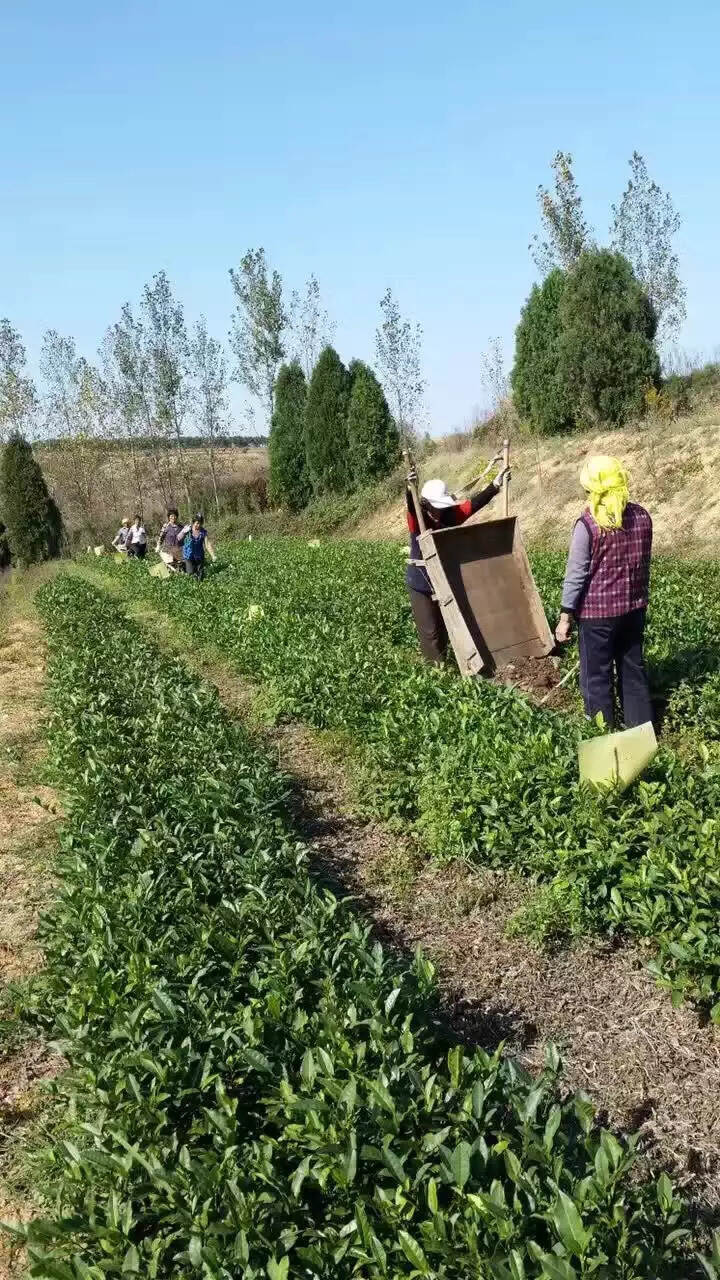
(476,479)
(414,493)
(506,481)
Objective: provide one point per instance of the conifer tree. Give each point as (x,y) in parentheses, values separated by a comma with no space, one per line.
(289,480)
(373,440)
(540,393)
(607,356)
(34,523)
(326,443)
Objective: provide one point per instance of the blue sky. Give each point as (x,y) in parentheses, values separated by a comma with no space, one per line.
(374,144)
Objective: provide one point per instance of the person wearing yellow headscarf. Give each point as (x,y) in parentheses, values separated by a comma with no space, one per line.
(606,485)
(606,591)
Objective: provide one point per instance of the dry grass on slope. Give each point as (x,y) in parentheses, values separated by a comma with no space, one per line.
(674,471)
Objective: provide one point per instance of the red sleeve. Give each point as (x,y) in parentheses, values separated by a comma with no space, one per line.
(449,517)
(412,521)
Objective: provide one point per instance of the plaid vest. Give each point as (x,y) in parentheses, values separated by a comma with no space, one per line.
(619,565)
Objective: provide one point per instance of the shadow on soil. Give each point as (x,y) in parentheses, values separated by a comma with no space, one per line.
(466,1020)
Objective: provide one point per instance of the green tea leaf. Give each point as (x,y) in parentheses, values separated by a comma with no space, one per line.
(394,1164)
(131,1261)
(531,1104)
(350,1161)
(555,1268)
(664,1192)
(460,1164)
(308,1070)
(569,1225)
(413,1253)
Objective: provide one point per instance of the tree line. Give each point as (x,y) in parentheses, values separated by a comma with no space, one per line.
(123,423)
(334,432)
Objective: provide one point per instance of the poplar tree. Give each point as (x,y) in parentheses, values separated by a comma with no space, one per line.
(259,323)
(311,326)
(18,397)
(398,350)
(644,226)
(567,234)
(208,367)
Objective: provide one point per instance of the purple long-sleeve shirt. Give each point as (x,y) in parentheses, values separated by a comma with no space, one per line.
(577,569)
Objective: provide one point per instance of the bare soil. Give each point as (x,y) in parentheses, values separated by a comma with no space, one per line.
(645,1065)
(29,813)
(541,680)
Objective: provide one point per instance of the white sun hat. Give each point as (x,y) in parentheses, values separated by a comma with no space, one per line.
(436,493)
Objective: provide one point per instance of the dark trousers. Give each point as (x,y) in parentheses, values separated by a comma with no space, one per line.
(137,549)
(196,568)
(431,629)
(612,649)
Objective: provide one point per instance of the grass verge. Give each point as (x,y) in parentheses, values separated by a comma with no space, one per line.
(29,815)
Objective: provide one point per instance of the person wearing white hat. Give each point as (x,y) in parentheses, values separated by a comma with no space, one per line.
(121,537)
(441,510)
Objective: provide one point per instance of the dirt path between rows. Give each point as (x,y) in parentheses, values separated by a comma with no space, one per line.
(645,1065)
(29,814)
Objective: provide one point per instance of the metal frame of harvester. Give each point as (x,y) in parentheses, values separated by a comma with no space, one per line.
(483,583)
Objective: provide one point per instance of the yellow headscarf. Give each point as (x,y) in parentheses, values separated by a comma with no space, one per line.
(605,481)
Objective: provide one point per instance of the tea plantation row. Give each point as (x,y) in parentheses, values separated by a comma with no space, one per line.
(256,1089)
(472,768)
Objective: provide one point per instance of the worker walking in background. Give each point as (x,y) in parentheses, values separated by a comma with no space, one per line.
(120,540)
(606,590)
(441,511)
(169,543)
(136,542)
(195,541)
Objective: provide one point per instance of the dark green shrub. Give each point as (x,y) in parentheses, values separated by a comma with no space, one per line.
(34,523)
(585,351)
(675,393)
(692,390)
(373,439)
(607,354)
(326,442)
(539,391)
(289,479)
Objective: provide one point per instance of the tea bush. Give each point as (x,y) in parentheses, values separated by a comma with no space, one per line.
(256,1088)
(473,769)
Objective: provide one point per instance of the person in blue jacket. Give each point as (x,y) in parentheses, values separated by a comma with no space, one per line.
(195,542)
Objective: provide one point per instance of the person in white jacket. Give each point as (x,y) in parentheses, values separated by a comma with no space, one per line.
(136,543)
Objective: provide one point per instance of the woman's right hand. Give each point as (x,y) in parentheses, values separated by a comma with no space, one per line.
(563,630)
